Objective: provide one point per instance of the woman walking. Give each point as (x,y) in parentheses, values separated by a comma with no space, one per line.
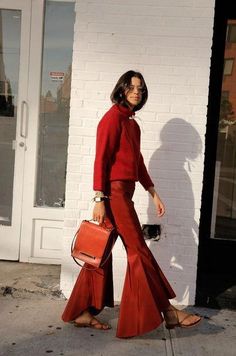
(118,165)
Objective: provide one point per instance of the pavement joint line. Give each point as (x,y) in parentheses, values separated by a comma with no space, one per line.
(172,342)
(168,342)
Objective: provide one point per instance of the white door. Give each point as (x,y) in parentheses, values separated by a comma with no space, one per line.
(14,53)
(44,127)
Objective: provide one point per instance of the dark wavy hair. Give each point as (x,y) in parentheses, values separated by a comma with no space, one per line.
(118,93)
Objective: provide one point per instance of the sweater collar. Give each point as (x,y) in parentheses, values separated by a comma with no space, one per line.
(126,111)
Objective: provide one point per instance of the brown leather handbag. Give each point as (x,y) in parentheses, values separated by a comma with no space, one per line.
(92,244)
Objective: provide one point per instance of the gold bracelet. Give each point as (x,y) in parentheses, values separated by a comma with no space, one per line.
(99,194)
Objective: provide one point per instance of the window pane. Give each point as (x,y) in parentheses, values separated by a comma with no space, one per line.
(231,33)
(224,204)
(54,103)
(228,66)
(10,27)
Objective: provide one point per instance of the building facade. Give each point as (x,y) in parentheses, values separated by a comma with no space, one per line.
(59,61)
(170,43)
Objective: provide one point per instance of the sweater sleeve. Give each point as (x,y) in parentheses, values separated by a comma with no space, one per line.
(143,175)
(108,138)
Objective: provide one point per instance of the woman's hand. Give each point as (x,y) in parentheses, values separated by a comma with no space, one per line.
(99,212)
(160,208)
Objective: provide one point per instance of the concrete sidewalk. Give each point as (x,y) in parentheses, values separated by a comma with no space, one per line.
(30,310)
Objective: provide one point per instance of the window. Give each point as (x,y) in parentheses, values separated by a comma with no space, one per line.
(225,95)
(10,29)
(228,66)
(224,201)
(231,33)
(55,103)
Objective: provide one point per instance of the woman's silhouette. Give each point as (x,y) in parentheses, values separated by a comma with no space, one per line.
(173,163)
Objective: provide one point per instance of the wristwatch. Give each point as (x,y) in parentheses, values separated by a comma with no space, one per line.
(99,199)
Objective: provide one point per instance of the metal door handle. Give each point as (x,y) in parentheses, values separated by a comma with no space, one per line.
(24,119)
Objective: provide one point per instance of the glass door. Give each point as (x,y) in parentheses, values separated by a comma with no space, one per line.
(14,51)
(51,45)
(36,39)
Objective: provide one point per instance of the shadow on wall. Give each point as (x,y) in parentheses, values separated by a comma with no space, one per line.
(172,165)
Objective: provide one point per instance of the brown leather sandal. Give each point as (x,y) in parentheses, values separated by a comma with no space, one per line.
(93,324)
(179,323)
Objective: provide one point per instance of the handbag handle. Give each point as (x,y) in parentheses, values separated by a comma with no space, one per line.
(106,259)
(104,225)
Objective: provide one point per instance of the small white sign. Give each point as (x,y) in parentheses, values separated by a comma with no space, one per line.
(57,76)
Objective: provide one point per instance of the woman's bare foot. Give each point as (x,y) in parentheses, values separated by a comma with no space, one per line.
(174,317)
(86,319)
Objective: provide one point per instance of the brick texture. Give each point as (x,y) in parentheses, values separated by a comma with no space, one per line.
(169,41)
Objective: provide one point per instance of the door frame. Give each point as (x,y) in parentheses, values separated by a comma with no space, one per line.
(10,240)
(40,229)
(216,256)
(36,219)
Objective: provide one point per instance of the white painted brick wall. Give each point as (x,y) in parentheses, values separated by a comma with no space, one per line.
(169,41)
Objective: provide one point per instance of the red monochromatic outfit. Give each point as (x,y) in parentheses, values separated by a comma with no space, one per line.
(146,293)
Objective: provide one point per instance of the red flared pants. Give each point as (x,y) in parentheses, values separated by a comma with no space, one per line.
(146,291)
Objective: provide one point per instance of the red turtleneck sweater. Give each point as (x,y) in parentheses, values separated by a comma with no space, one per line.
(118,155)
